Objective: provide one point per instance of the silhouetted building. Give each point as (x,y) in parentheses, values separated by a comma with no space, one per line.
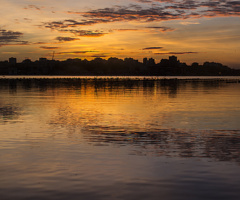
(151,61)
(42,59)
(173,59)
(27,61)
(145,61)
(13,61)
(164,62)
(130,60)
(113,66)
(212,64)
(148,62)
(195,64)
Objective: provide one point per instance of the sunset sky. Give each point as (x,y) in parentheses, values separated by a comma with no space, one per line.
(200,30)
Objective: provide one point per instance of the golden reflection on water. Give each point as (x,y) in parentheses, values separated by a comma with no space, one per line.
(100,139)
(166,118)
(149,106)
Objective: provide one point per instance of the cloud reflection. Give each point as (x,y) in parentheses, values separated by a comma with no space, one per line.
(101,125)
(103,111)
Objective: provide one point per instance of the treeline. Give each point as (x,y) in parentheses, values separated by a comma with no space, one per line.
(115,66)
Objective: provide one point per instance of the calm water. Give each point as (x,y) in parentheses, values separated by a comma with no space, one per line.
(119,139)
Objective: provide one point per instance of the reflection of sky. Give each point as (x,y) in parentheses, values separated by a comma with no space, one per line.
(193,30)
(135,104)
(150,114)
(116,141)
(153,107)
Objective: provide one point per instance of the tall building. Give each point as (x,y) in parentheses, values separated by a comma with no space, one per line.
(13,61)
(148,62)
(145,61)
(151,61)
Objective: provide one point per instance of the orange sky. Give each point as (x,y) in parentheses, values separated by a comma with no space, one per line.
(199,31)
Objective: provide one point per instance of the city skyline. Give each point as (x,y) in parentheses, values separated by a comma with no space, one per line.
(14,60)
(194,31)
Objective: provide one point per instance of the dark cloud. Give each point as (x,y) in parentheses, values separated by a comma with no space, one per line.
(9,36)
(162,28)
(40,43)
(115,14)
(131,13)
(160,10)
(183,5)
(66,39)
(152,48)
(84,33)
(49,48)
(208,7)
(98,56)
(69,23)
(177,53)
(224,7)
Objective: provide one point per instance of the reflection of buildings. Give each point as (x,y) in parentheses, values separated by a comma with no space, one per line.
(213,145)
(8,112)
(219,145)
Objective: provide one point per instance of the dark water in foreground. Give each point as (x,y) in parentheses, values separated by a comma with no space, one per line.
(119,139)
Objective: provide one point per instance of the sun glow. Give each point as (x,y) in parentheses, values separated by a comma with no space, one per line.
(121,29)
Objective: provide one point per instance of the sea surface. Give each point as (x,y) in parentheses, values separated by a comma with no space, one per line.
(171,138)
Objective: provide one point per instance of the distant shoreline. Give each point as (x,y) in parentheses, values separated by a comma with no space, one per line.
(92,77)
(114,67)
